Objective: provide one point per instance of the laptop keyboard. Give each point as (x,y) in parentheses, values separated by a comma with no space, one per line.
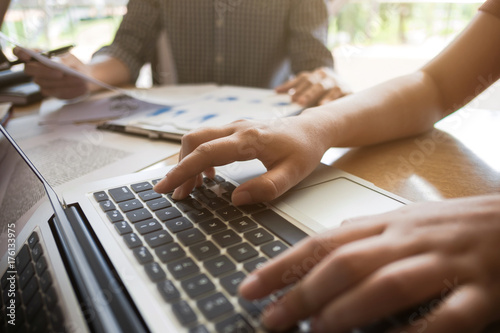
(198,250)
(36,299)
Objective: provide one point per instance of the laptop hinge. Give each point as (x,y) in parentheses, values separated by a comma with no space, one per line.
(110,292)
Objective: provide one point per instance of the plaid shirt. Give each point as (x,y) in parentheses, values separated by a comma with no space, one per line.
(255,43)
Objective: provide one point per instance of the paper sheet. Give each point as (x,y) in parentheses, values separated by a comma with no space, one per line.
(73,154)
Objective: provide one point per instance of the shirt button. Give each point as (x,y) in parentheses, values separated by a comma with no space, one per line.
(219,23)
(219,59)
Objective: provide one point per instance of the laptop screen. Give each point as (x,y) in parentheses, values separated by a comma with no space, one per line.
(21,192)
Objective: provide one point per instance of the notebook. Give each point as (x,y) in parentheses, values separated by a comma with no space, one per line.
(114,256)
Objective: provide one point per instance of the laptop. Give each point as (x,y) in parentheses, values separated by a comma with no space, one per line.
(114,256)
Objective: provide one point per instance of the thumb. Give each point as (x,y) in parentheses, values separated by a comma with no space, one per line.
(266,187)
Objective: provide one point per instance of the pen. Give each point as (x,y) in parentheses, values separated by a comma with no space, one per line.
(48,54)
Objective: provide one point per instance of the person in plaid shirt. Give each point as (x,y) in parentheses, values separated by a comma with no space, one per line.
(256,43)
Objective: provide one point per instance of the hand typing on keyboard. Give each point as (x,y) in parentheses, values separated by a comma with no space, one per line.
(284,146)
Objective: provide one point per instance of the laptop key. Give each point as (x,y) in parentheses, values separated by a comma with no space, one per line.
(141,187)
(204,250)
(254,264)
(250,209)
(130,205)
(198,329)
(232,281)
(100,196)
(34,306)
(229,213)
(242,252)
(28,272)
(273,249)
(168,213)
(148,226)
(158,238)
(51,298)
(279,226)
(184,313)
(214,306)
(219,179)
(33,239)
(45,280)
(243,224)
(155,272)
(168,291)
(234,323)
(182,268)
(132,240)
(36,252)
(123,228)
(41,266)
(200,215)
(212,226)
(219,265)
(188,204)
(190,237)
(142,255)
(30,290)
(139,215)
(149,195)
(22,258)
(114,216)
(178,224)
(170,252)
(121,194)
(258,236)
(197,285)
(226,238)
(107,206)
(157,204)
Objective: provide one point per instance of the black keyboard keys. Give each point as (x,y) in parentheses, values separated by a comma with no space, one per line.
(182,268)
(170,252)
(204,250)
(242,252)
(232,281)
(214,306)
(184,313)
(168,291)
(219,265)
(226,238)
(148,226)
(155,272)
(273,249)
(121,194)
(158,238)
(197,285)
(234,323)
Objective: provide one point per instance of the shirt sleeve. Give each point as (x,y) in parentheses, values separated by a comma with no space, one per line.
(492,7)
(308,24)
(135,41)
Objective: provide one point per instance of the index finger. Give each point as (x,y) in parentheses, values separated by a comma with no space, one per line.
(217,152)
(296,262)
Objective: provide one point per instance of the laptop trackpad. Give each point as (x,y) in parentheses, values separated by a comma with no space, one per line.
(327,204)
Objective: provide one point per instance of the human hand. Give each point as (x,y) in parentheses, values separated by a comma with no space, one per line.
(53,82)
(315,88)
(373,267)
(290,148)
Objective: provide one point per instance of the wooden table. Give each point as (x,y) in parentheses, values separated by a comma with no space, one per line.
(460,157)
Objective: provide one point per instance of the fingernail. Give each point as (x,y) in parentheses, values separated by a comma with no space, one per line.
(156,187)
(275,317)
(177,195)
(241,198)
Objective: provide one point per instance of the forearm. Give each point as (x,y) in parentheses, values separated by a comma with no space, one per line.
(402,107)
